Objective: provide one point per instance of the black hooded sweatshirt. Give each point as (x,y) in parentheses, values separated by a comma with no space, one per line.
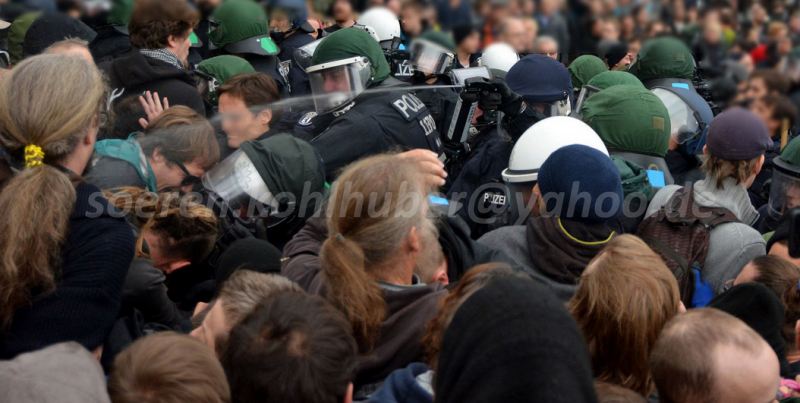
(137,74)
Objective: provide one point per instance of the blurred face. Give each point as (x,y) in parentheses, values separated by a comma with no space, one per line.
(279,21)
(470,44)
(609,32)
(781,250)
(214,326)
(757,88)
(180,46)
(784,46)
(394,6)
(712,36)
(76,51)
(758,13)
(336,80)
(514,35)
(238,122)
(169,175)
(549,49)
(765,112)
(794,23)
(412,21)
(793,197)
(342,11)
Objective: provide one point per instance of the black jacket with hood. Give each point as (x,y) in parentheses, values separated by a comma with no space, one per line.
(137,74)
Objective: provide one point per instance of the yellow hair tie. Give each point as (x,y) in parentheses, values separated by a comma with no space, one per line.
(33,156)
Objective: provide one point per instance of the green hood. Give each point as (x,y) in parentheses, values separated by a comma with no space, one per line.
(347,43)
(286,163)
(120,13)
(611,78)
(584,69)
(629,118)
(634,178)
(16,35)
(239,20)
(664,58)
(224,67)
(791,153)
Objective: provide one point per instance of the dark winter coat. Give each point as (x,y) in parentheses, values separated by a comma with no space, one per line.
(145,290)
(109,44)
(137,73)
(298,79)
(85,304)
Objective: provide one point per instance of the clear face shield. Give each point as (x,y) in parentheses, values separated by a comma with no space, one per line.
(686,122)
(586,92)
(304,54)
(430,58)
(785,189)
(238,183)
(339,82)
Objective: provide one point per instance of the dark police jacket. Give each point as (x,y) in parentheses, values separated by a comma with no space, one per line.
(371,124)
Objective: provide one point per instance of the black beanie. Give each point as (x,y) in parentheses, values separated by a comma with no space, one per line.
(514,341)
(616,53)
(461,32)
(760,308)
(250,254)
(50,28)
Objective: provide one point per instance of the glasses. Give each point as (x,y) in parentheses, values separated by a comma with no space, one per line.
(189,180)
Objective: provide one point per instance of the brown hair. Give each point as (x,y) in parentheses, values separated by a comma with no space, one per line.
(243,291)
(51,101)
(624,298)
(361,240)
(775,83)
(188,228)
(256,90)
(476,278)
(774,28)
(153,21)
(293,348)
(782,109)
(722,169)
(182,135)
(168,367)
(682,361)
(610,393)
(783,279)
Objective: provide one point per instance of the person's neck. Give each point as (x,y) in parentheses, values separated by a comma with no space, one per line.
(793,356)
(396,271)
(76,163)
(463,58)
(431,80)
(346,23)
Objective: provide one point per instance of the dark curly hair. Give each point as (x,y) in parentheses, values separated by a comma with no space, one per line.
(153,21)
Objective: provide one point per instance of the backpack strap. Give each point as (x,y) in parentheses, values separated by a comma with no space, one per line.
(683,264)
(681,209)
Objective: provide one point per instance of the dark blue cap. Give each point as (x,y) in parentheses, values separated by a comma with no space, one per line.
(540,79)
(737,135)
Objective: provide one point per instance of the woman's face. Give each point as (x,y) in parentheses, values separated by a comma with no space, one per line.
(471,43)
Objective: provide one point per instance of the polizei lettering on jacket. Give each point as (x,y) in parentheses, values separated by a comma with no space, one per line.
(409,106)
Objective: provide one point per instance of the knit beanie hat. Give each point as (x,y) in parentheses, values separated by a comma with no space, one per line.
(761,309)
(513,341)
(615,53)
(584,68)
(581,183)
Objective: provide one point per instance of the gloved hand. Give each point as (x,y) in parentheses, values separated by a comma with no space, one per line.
(702,291)
(502,99)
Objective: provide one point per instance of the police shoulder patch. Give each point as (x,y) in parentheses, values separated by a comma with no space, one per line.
(306,119)
(408,105)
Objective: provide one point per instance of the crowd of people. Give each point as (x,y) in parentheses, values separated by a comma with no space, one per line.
(399,201)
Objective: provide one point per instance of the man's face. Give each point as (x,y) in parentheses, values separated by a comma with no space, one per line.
(238,122)
(757,88)
(412,21)
(342,10)
(515,35)
(336,80)
(745,377)
(609,32)
(470,44)
(279,21)
(180,46)
(549,49)
(793,196)
(214,327)
(764,112)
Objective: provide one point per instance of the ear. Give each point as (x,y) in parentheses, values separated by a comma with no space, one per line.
(705,151)
(760,165)
(265,116)
(441,276)
(173,266)
(157,156)
(348,396)
(414,241)
(173,41)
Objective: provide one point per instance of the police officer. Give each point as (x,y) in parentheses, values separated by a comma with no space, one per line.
(784,189)
(352,122)
(211,74)
(242,29)
(290,29)
(433,57)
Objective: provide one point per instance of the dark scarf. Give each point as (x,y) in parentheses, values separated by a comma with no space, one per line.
(562,256)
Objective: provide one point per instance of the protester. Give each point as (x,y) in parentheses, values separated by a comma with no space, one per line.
(546,45)
(167,367)
(50,28)
(512,32)
(244,106)
(71,47)
(292,348)
(60,266)
(707,352)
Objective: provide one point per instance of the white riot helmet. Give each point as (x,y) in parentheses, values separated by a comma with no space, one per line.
(382,23)
(541,140)
(499,56)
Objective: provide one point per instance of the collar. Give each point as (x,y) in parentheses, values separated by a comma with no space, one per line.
(415,282)
(163,55)
(732,197)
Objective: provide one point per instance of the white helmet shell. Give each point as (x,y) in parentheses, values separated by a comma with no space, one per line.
(544,138)
(382,21)
(499,56)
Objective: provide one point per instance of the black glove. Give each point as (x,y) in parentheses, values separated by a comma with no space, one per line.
(501,98)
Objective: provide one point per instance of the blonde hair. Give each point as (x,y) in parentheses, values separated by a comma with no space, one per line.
(168,367)
(623,301)
(722,169)
(50,101)
(361,240)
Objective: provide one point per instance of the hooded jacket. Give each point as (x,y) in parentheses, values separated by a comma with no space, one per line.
(137,73)
(407,385)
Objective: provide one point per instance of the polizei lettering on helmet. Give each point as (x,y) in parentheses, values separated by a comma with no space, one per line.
(409,106)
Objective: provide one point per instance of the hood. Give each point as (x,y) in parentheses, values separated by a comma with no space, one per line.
(347,43)
(608,79)
(584,69)
(561,248)
(136,70)
(664,57)
(634,178)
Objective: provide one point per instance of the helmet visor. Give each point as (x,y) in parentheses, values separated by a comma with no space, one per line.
(430,58)
(339,82)
(586,92)
(237,181)
(304,54)
(684,121)
(785,189)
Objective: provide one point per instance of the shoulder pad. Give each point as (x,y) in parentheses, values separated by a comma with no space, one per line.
(408,106)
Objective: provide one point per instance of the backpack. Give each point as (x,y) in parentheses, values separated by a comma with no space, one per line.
(679,233)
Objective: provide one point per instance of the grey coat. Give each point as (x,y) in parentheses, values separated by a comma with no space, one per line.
(731,246)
